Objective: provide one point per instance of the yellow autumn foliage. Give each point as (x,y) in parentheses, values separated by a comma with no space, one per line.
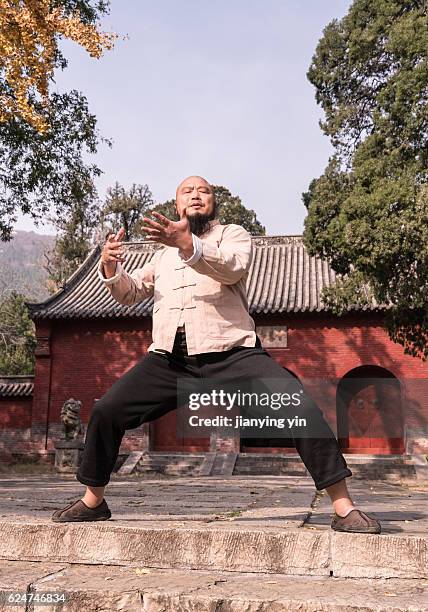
(29,34)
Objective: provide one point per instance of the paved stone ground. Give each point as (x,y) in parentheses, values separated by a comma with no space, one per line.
(270,502)
(248,501)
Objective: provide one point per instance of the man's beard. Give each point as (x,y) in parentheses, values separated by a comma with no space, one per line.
(199,223)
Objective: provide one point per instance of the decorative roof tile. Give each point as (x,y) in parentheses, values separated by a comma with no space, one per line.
(283,278)
(16,386)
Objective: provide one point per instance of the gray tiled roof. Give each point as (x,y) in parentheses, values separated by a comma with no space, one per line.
(283,278)
(16,386)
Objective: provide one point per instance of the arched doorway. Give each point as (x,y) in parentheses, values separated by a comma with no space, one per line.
(369,412)
(269,445)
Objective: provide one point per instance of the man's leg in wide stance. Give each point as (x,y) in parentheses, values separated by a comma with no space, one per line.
(144,393)
(317,446)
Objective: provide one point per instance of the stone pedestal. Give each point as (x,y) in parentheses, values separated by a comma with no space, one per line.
(68,455)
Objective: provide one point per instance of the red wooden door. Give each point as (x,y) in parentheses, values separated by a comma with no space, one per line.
(373,418)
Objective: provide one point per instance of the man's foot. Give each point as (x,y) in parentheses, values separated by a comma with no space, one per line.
(79,511)
(356,521)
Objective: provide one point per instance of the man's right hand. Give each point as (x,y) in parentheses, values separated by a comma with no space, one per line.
(112,252)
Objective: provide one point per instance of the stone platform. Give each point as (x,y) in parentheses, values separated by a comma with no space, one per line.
(215,544)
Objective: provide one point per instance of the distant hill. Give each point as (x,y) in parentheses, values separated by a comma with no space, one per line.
(21,265)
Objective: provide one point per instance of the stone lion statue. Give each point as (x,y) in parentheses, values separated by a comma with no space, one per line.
(72,426)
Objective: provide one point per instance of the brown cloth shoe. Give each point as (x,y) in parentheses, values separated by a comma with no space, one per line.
(79,511)
(355,522)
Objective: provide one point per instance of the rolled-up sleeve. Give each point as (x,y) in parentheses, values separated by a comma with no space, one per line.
(230,260)
(129,288)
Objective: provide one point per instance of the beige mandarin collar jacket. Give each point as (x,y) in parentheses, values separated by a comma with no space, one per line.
(207,292)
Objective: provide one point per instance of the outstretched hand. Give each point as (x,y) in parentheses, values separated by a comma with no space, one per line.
(113,251)
(171,233)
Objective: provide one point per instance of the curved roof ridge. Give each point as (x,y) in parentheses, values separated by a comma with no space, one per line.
(283,278)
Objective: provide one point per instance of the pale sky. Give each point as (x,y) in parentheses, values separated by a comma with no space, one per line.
(217,89)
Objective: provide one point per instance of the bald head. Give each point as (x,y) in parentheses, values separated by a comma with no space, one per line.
(192,181)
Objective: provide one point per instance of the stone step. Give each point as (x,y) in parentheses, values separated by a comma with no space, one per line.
(387,475)
(269,461)
(269,454)
(132,589)
(376,467)
(175,456)
(173,464)
(224,464)
(171,470)
(207,464)
(381,465)
(156,463)
(383,470)
(376,457)
(267,464)
(218,547)
(365,458)
(268,472)
(184,457)
(166,466)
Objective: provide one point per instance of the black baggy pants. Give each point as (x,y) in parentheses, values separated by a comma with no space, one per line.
(149,390)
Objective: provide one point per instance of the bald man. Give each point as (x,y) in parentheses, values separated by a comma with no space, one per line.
(202,329)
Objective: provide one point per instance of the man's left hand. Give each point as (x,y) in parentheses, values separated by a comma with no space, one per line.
(171,233)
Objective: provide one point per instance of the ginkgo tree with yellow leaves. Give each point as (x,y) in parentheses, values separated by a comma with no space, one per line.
(29,34)
(45,134)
